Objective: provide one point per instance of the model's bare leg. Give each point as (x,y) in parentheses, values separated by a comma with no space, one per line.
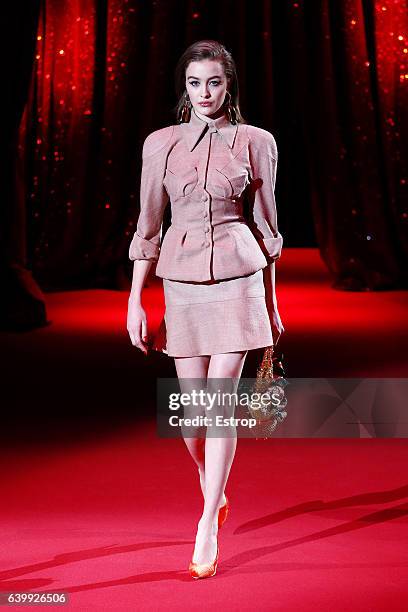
(219,455)
(189,369)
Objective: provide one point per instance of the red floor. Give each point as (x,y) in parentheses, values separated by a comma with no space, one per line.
(313,524)
(97,506)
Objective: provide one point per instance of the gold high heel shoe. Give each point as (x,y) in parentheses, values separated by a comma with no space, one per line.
(203,570)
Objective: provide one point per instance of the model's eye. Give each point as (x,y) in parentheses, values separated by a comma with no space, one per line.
(194,83)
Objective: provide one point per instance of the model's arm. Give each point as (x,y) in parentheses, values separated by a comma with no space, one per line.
(263,216)
(272,302)
(145,246)
(269,281)
(153,197)
(141,269)
(264,223)
(136,315)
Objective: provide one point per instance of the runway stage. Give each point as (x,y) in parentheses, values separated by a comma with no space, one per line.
(95,505)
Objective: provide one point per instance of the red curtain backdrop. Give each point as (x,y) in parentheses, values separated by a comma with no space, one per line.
(329,79)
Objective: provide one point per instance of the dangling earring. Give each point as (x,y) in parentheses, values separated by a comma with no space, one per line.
(186,109)
(230,109)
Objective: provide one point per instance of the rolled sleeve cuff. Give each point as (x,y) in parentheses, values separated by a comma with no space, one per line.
(140,248)
(272,247)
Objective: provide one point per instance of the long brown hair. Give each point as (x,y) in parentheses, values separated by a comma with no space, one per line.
(206,49)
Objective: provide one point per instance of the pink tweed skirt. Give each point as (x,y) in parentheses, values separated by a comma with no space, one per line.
(219,317)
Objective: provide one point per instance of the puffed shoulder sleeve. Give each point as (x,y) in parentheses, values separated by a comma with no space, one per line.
(145,243)
(263,215)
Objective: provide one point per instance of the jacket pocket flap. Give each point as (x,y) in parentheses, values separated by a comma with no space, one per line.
(180,184)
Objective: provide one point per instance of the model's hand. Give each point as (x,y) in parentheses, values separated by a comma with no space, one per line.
(277,326)
(137,325)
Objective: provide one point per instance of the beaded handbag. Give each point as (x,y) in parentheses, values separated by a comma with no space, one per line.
(269,381)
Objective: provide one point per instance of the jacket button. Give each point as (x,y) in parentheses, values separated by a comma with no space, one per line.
(207,244)
(207,229)
(205,215)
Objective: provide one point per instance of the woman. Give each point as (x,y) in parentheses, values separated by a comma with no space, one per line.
(217,264)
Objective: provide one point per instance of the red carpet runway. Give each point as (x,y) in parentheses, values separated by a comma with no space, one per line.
(96,506)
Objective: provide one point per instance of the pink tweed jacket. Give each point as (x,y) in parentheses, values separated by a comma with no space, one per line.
(220,181)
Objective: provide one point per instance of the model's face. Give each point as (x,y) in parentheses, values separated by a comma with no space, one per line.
(206,82)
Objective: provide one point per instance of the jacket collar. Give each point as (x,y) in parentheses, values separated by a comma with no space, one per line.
(193,129)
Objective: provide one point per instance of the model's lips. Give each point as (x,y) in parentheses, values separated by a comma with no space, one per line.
(205,103)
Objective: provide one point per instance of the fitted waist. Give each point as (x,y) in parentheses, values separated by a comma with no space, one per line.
(198,226)
(217,212)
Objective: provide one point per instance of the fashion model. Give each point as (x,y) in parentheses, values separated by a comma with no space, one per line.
(216,258)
